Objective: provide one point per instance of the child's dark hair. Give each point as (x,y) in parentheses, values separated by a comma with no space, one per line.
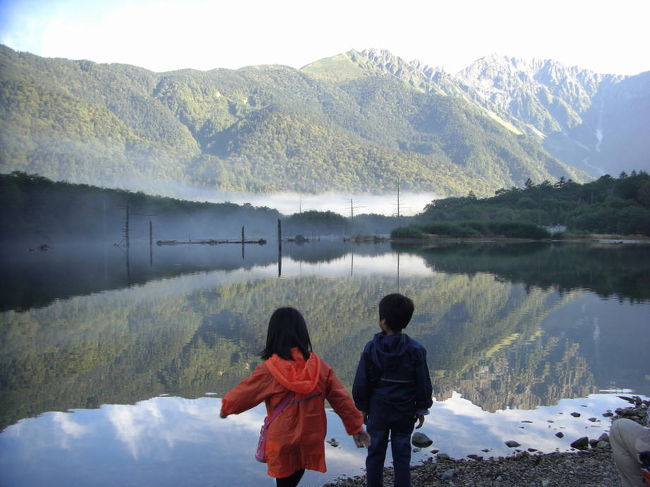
(396,310)
(287,329)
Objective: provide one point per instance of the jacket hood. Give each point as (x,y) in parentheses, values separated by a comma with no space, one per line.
(297,375)
(387,350)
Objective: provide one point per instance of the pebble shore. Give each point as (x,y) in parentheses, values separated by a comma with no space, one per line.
(589,467)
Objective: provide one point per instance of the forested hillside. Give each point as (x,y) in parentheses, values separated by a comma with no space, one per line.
(608,205)
(265,128)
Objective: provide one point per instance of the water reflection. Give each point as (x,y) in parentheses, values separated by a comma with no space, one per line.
(169,441)
(608,270)
(510,332)
(164,441)
(32,279)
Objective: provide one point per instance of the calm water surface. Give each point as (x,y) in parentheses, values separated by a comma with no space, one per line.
(112,369)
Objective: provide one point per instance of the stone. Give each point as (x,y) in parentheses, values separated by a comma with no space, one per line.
(512,444)
(604,437)
(581,443)
(443,456)
(475,457)
(447,474)
(602,444)
(421,440)
(593,420)
(333,442)
(559,434)
(575,415)
(434,451)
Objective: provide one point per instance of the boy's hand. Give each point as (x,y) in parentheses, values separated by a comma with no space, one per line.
(419,418)
(361,439)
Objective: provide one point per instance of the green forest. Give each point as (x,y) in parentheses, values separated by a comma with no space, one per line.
(605,206)
(262,129)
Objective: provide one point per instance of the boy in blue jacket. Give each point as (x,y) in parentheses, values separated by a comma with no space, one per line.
(392,388)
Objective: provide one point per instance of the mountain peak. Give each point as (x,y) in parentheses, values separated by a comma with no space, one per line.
(392,63)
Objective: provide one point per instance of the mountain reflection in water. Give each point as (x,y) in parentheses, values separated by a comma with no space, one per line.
(509,329)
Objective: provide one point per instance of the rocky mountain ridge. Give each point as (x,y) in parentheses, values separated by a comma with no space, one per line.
(589,120)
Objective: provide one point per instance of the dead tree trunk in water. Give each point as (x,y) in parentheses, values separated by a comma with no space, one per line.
(242,242)
(127,217)
(150,244)
(279,247)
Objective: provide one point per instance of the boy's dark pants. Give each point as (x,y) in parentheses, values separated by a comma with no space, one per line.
(399,428)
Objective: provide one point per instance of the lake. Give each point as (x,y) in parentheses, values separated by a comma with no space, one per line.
(112,364)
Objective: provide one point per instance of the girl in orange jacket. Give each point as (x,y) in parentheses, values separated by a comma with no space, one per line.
(296,437)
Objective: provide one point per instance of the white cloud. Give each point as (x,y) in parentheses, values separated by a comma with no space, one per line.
(69,430)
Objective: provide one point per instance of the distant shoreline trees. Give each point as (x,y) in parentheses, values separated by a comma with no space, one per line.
(608,205)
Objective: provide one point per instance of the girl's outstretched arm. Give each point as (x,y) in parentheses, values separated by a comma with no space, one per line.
(248,393)
(343,405)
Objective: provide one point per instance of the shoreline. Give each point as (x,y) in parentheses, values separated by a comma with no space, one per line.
(590,465)
(593,468)
(607,239)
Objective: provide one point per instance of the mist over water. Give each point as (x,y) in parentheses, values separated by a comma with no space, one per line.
(386,204)
(288,203)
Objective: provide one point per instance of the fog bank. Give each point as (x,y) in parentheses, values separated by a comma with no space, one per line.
(288,203)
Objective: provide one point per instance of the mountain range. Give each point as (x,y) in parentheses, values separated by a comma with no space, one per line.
(361,121)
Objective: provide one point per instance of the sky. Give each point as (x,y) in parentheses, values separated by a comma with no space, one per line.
(604,36)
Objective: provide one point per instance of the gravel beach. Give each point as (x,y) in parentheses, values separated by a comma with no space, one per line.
(591,466)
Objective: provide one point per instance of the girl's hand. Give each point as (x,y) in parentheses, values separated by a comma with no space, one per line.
(419,418)
(365,417)
(361,439)
(223,416)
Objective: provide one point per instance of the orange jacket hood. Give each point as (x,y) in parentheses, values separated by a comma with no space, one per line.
(297,375)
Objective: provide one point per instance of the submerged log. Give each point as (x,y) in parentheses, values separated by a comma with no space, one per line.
(261,241)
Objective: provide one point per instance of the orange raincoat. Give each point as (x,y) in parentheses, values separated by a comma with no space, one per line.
(296,437)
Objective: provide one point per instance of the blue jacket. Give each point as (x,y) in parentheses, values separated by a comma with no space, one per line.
(393,377)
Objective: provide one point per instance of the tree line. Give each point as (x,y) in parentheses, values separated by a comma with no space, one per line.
(608,205)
